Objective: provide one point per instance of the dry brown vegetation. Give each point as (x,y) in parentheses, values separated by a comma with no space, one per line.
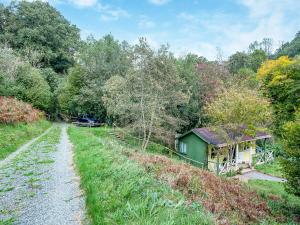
(229,200)
(14,111)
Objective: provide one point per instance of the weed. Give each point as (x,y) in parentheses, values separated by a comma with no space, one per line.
(46,161)
(7,189)
(119,191)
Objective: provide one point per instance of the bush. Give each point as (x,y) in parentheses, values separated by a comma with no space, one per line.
(276,148)
(14,111)
(19,79)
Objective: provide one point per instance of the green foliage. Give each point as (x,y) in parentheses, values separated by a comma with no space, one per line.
(266,45)
(242,60)
(188,72)
(119,191)
(54,80)
(290,162)
(256,58)
(280,202)
(238,106)
(244,77)
(20,79)
(273,168)
(290,49)
(276,148)
(237,61)
(39,33)
(98,61)
(281,81)
(149,94)
(31,87)
(13,136)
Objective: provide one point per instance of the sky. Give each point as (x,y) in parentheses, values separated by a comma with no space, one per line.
(196,26)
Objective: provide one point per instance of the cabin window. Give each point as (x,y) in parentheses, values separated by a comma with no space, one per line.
(213,153)
(182,148)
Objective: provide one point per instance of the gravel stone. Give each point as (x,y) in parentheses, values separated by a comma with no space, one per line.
(40,186)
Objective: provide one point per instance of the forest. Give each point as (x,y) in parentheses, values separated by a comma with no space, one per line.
(151,92)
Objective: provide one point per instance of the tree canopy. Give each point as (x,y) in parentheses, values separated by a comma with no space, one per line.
(240,106)
(39,33)
(290,49)
(147,97)
(281,82)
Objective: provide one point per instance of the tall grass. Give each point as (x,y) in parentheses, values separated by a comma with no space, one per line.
(272,168)
(119,191)
(284,206)
(14,135)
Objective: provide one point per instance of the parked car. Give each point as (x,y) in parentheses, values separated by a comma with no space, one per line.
(87,121)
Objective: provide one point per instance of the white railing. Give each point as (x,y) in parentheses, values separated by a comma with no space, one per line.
(228,166)
(264,157)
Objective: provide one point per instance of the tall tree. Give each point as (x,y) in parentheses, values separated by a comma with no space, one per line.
(145,97)
(281,82)
(188,71)
(238,106)
(238,61)
(97,61)
(291,48)
(40,33)
(291,159)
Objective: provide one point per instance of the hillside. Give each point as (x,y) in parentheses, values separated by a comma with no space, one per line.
(19,123)
(117,180)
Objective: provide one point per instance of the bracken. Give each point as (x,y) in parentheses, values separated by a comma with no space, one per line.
(14,111)
(227,199)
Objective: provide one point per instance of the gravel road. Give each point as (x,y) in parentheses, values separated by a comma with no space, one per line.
(39,186)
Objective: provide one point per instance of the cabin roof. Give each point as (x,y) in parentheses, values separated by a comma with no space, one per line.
(212,137)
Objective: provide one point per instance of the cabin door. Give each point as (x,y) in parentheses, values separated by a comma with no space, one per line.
(243,156)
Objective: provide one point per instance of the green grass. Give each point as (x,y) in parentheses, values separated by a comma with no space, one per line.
(119,191)
(7,222)
(272,168)
(13,136)
(280,202)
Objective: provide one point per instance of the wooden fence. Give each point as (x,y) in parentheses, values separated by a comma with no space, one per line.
(137,142)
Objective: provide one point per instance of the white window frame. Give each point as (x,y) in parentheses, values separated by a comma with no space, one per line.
(182,147)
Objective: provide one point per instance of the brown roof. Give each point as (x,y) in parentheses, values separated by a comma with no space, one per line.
(212,137)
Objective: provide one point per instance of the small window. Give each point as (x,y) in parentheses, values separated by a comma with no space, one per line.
(182,148)
(213,153)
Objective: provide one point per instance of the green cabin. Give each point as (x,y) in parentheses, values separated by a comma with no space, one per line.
(205,148)
(194,147)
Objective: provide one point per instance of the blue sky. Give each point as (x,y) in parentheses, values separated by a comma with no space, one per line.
(198,26)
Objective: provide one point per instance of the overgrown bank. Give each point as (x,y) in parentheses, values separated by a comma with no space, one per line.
(14,135)
(118,188)
(120,191)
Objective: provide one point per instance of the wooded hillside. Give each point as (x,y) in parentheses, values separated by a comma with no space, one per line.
(148,91)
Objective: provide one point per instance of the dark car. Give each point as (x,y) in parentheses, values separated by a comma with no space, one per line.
(87,121)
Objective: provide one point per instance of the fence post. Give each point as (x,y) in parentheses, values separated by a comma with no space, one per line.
(218,164)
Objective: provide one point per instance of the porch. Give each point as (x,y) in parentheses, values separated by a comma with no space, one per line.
(238,156)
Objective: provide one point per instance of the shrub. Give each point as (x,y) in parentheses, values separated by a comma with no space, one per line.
(14,111)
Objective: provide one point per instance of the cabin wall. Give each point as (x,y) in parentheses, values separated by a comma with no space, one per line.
(245,156)
(196,148)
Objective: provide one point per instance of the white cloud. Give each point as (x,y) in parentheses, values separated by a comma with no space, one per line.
(159,2)
(146,23)
(268,18)
(260,8)
(84,3)
(109,12)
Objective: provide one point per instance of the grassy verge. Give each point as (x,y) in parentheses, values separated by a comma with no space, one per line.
(13,136)
(120,191)
(272,168)
(280,202)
